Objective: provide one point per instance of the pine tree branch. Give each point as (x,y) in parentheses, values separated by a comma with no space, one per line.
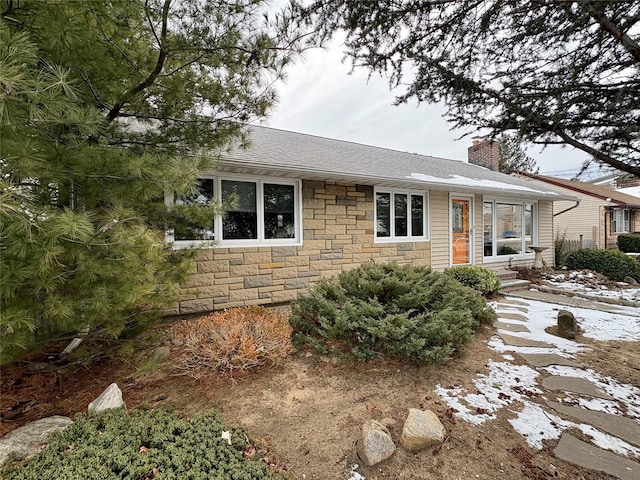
(598,155)
(112,43)
(162,56)
(631,46)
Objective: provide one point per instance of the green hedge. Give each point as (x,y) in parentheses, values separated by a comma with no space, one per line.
(139,445)
(390,311)
(480,279)
(629,243)
(613,264)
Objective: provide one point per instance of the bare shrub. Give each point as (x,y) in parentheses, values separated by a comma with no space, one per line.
(235,339)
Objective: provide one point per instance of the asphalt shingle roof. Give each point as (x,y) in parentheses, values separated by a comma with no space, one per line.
(284,153)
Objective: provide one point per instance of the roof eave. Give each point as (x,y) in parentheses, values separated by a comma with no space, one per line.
(320,174)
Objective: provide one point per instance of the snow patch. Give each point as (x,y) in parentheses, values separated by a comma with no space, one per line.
(355,475)
(475,182)
(504,384)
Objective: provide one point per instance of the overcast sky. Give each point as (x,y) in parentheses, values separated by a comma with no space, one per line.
(321,98)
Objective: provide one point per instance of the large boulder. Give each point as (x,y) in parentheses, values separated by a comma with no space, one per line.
(567,325)
(27,440)
(375,444)
(110,398)
(421,429)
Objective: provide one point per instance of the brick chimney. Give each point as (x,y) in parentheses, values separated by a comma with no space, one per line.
(484,153)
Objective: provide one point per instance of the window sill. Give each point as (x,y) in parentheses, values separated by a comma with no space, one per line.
(400,240)
(505,258)
(207,244)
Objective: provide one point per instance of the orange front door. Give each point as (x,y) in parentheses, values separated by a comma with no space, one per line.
(460,231)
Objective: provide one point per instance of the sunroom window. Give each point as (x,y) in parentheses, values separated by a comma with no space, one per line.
(400,215)
(509,228)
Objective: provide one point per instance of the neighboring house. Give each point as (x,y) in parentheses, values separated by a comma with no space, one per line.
(602,214)
(309,208)
(617,180)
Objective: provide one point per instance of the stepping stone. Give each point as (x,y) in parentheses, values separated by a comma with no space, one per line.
(512,307)
(523,342)
(512,327)
(546,359)
(618,426)
(579,453)
(575,385)
(512,301)
(512,316)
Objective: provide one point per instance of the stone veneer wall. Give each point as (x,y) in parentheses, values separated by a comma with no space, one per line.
(337,235)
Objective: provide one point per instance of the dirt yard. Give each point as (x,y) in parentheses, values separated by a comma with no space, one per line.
(307,412)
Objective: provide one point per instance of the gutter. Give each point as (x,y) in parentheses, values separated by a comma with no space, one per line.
(567,209)
(373,179)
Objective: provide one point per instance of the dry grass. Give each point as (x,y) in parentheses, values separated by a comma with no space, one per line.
(235,339)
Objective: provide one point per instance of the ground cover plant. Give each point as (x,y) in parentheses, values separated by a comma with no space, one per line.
(613,264)
(144,444)
(480,279)
(234,339)
(390,311)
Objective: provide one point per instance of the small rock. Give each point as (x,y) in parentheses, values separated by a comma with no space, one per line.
(177,343)
(160,353)
(26,441)
(375,444)
(110,398)
(567,326)
(630,280)
(422,428)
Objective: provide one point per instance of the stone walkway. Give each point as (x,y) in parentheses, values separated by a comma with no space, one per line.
(513,330)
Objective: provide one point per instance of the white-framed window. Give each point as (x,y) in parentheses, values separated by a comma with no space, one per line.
(509,227)
(265,212)
(401,215)
(620,220)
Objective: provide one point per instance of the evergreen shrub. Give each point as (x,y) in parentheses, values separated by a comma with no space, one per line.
(235,339)
(613,264)
(507,250)
(480,279)
(629,243)
(390,311)
(144,444)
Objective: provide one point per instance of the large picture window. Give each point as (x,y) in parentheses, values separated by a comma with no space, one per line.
(400,215)
(509,228)
(261,212)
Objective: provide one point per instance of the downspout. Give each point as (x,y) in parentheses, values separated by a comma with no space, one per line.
(606,214)
(567,209)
